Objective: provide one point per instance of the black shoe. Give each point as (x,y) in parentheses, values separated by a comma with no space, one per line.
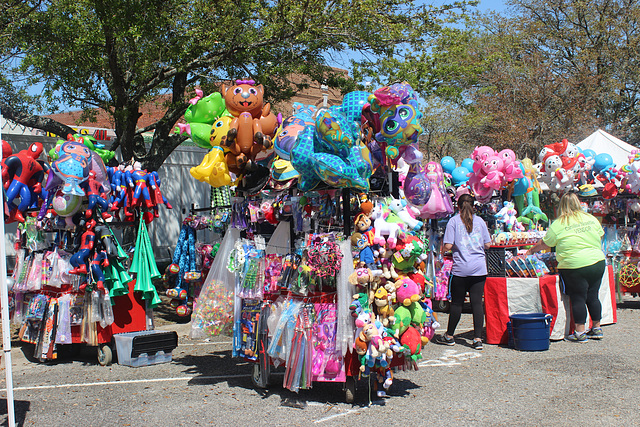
(477,345)
(442,339)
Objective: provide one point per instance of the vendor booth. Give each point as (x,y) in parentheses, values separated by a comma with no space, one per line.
(505,296)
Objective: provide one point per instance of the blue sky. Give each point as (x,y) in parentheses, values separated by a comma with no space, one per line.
(495,5)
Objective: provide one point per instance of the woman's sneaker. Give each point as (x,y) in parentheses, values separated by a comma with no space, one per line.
(577,337)
(477,345)
(443,339)
(595,334)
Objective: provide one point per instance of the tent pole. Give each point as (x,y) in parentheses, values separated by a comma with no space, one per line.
(6,328)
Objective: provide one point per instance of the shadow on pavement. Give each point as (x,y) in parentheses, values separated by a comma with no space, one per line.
(220,366)
(20,409)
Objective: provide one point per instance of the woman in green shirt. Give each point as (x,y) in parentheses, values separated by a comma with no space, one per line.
(577,236)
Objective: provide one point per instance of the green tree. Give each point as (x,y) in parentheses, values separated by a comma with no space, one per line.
(117,55)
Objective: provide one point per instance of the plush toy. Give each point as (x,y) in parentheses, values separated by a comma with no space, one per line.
(383,306)
(361,277)
(362,223)
(410,250)
(383,228)
(384,258)
(399,207)
(366,256)
(412,341)
(360,302)
(507,215)
(407,291)
(252,127)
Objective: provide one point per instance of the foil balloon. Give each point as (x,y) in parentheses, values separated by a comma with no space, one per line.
(417,188)
(439,204)
(71,168)
(66,204)
(399,118)
(291,127)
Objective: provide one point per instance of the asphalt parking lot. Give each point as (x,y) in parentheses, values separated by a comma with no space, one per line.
(595,383)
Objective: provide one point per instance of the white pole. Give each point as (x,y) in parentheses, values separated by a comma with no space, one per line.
(4,303)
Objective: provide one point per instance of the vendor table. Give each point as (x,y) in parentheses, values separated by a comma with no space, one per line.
(504,296)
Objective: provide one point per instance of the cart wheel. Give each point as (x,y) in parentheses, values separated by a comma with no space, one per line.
(349,389)
(105,355)
(443,306)
(259,378)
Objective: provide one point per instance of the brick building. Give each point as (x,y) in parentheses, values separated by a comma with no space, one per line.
(102,127)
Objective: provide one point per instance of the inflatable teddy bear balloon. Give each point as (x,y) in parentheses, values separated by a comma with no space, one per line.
(252,127)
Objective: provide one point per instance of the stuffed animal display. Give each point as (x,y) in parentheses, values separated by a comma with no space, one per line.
(390,307)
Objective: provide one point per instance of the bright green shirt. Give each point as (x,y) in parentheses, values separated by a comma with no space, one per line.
(577,241)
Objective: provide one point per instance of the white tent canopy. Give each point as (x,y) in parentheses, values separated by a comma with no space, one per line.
(602,142)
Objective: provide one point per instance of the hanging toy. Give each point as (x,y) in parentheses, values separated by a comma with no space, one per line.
(251,129)
(439,204)
(71,168)
(87,241)
(201,116)
(22,177)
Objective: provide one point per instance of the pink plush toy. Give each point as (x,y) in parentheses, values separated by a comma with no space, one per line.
(407,291)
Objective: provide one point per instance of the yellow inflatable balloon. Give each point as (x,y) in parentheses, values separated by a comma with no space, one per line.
(219,130)
(213,169)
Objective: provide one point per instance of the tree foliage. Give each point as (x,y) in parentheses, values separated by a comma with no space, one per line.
(117,55)
(548,70)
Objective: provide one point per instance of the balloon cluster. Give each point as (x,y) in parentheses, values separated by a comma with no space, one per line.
(492,170)
(341,146)
(564,167)
(236,124)
(459,174)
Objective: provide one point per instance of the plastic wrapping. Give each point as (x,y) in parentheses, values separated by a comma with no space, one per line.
(95,307)
(345,291)
(213,313)
(106,311)
(280,345)
(63,333)
(280,240)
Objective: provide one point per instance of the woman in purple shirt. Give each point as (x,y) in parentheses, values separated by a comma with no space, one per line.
(467,236)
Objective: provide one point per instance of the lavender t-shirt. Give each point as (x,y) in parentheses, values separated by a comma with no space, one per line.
(468,248)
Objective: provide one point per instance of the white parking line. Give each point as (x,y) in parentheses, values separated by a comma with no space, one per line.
(103,383)
(331,417)
(206,343)
(450,358)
